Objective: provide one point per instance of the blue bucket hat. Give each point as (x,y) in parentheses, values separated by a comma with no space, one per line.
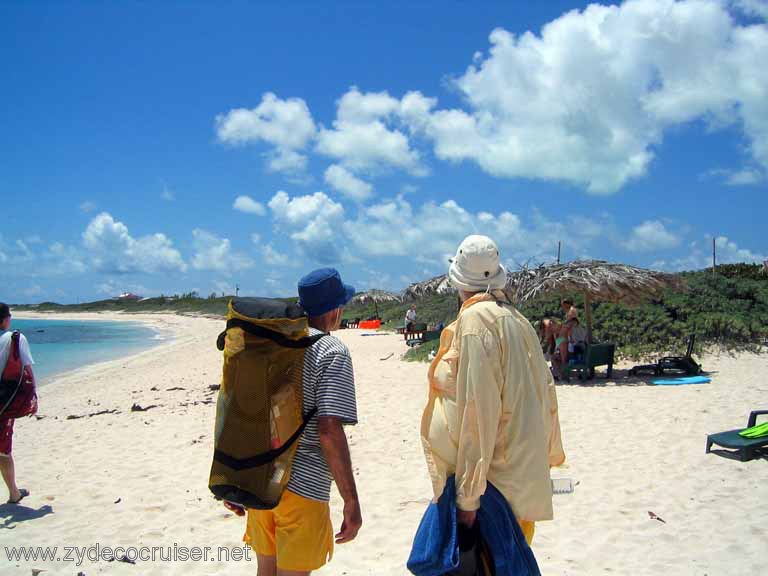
(322,290)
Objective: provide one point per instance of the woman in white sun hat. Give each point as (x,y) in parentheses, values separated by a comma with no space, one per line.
(492,410)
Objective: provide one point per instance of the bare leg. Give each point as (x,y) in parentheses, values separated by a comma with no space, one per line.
(268,567)
(291,573)
(563,357)
(9,475)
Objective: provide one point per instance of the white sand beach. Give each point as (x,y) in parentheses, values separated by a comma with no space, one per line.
(134,479)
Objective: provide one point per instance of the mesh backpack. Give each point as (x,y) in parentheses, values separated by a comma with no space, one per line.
(259,415)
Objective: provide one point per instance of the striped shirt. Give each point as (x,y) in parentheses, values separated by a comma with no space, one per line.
(328,384)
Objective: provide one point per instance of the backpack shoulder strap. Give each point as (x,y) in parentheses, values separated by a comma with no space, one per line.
(14,353)
(264,457)
(262,332)
(15,345)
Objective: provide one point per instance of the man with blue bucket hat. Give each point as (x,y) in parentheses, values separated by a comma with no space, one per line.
(297,537)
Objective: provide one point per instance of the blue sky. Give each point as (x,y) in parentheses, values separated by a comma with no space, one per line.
(168,148)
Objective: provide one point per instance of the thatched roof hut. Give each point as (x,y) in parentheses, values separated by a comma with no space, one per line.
(436,285)
(596,279)
(375,296)
(601,281)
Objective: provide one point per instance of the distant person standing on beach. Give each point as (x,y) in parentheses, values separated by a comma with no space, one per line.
(7,467)
(492,411)
(297,537)
(410,318)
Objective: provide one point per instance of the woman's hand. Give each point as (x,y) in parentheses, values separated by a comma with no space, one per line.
(466,517)
(236,508)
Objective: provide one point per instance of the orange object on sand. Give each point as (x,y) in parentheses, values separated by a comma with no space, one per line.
(370,324)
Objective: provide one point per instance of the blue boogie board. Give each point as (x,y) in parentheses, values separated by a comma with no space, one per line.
(685,380)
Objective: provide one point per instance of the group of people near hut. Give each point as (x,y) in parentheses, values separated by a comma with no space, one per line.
(564,342)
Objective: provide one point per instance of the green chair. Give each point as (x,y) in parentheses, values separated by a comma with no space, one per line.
(745,448)
(594,355)
(420,335)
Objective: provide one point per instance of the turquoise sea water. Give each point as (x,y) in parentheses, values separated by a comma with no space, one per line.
(61,345)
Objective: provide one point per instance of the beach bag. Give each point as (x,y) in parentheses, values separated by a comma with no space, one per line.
(259,417)
(497,547)
(18,396)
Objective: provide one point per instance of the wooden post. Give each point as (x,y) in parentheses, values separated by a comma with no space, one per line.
(588,315)
(558,251)
(714,256)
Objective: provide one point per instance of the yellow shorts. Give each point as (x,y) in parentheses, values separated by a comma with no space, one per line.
(298,532)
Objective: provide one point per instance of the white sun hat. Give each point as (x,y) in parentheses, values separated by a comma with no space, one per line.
(476,266)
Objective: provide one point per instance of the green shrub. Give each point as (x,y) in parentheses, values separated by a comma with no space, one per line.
(421,353)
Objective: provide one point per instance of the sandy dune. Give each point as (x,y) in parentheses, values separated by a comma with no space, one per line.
(140,478)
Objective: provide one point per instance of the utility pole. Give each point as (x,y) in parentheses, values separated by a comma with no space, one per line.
(237,290)
(558,251)
(714,256)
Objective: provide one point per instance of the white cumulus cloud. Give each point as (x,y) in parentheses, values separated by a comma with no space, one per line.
(339,178)
(215,253)
(741,177)
(273,257)
(286,125)
(365,135)
(249,206)
(429,233)
(62,259)
(587,100)
(700,255)
(28,258)
(312,222)
(112,249)
(745,177)
(728,252)
(649,236)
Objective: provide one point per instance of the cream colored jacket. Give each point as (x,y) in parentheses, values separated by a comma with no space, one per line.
(492,410)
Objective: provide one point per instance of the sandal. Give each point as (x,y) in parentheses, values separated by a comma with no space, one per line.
(23,493)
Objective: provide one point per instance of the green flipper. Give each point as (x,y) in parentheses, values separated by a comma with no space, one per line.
(756,431)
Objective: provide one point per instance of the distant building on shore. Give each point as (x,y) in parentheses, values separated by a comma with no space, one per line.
(128,296)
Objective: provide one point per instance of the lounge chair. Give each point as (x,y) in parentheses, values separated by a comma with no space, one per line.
(746,448)
(685,364)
